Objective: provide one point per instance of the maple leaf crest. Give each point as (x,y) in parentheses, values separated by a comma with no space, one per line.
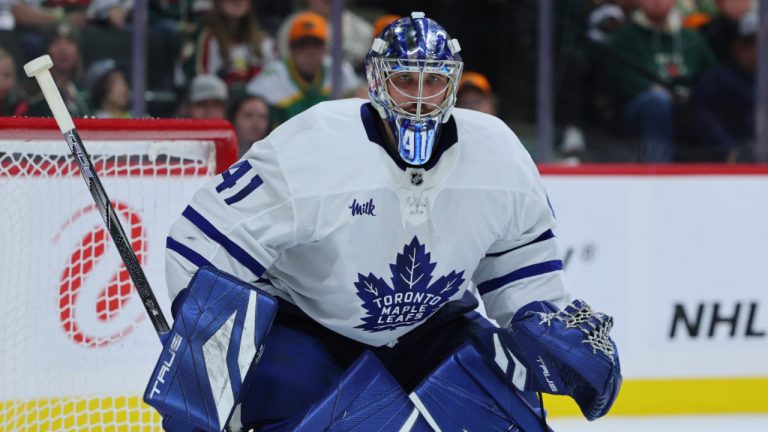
(410,298)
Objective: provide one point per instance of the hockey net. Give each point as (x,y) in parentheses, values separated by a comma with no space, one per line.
(76,349)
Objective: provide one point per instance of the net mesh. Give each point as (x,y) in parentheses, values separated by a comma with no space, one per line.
(76,347)
(106,413)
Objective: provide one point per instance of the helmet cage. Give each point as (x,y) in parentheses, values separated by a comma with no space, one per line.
(415,131)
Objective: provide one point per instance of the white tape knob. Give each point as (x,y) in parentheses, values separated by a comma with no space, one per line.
(39,69)
(38,65)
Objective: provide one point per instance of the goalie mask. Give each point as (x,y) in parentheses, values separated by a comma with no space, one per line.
(413,71)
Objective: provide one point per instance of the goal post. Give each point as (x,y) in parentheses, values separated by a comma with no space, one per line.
(76,346)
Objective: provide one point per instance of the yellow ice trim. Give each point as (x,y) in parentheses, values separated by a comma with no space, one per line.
(678,396)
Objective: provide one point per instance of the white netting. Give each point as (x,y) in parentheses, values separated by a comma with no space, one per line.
(76,349)
(596,326)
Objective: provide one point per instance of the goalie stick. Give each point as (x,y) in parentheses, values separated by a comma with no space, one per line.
(212,405)
(39,69)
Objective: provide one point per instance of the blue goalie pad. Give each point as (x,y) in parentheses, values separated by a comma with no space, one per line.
(216,339)
(174,424)
(366,399)
(467,392)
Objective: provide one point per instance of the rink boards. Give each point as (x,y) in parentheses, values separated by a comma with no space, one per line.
(678,256)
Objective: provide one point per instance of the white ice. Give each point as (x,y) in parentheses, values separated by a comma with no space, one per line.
(703,423)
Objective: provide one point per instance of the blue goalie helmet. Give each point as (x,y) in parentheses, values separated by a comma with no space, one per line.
(413,71)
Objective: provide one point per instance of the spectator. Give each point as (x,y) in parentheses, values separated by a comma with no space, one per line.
(475,93)
(722,29)
(231,45)
(34,16)
(110,13)
(628,6)
(696,13)
(109,91)
(63,45)
(39,14)
(356,32)
(250,116)
(378,26)
(724,100)
(170,14)
(7,20)
(272,14)
(171,17)
(661,62)
(208,97)
(601,103)
(303,79)
(10,103)
(603,21)
(573,75)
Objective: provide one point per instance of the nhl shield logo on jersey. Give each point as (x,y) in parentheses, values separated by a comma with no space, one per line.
(417,178)
(411,298)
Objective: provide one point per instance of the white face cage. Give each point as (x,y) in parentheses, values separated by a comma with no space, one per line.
(417,102)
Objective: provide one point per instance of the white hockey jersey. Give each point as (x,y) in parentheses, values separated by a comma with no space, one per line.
(366,246)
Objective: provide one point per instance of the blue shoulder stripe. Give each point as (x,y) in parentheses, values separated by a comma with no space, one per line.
(231,247)
(188,253)
(546,235)
(521,273)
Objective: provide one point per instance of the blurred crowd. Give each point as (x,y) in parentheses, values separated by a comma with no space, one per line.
(678,76)
(666,80)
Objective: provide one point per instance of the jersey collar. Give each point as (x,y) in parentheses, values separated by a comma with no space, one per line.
(446,138)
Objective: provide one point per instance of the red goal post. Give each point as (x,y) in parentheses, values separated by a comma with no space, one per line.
(76,348)
(218,132)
